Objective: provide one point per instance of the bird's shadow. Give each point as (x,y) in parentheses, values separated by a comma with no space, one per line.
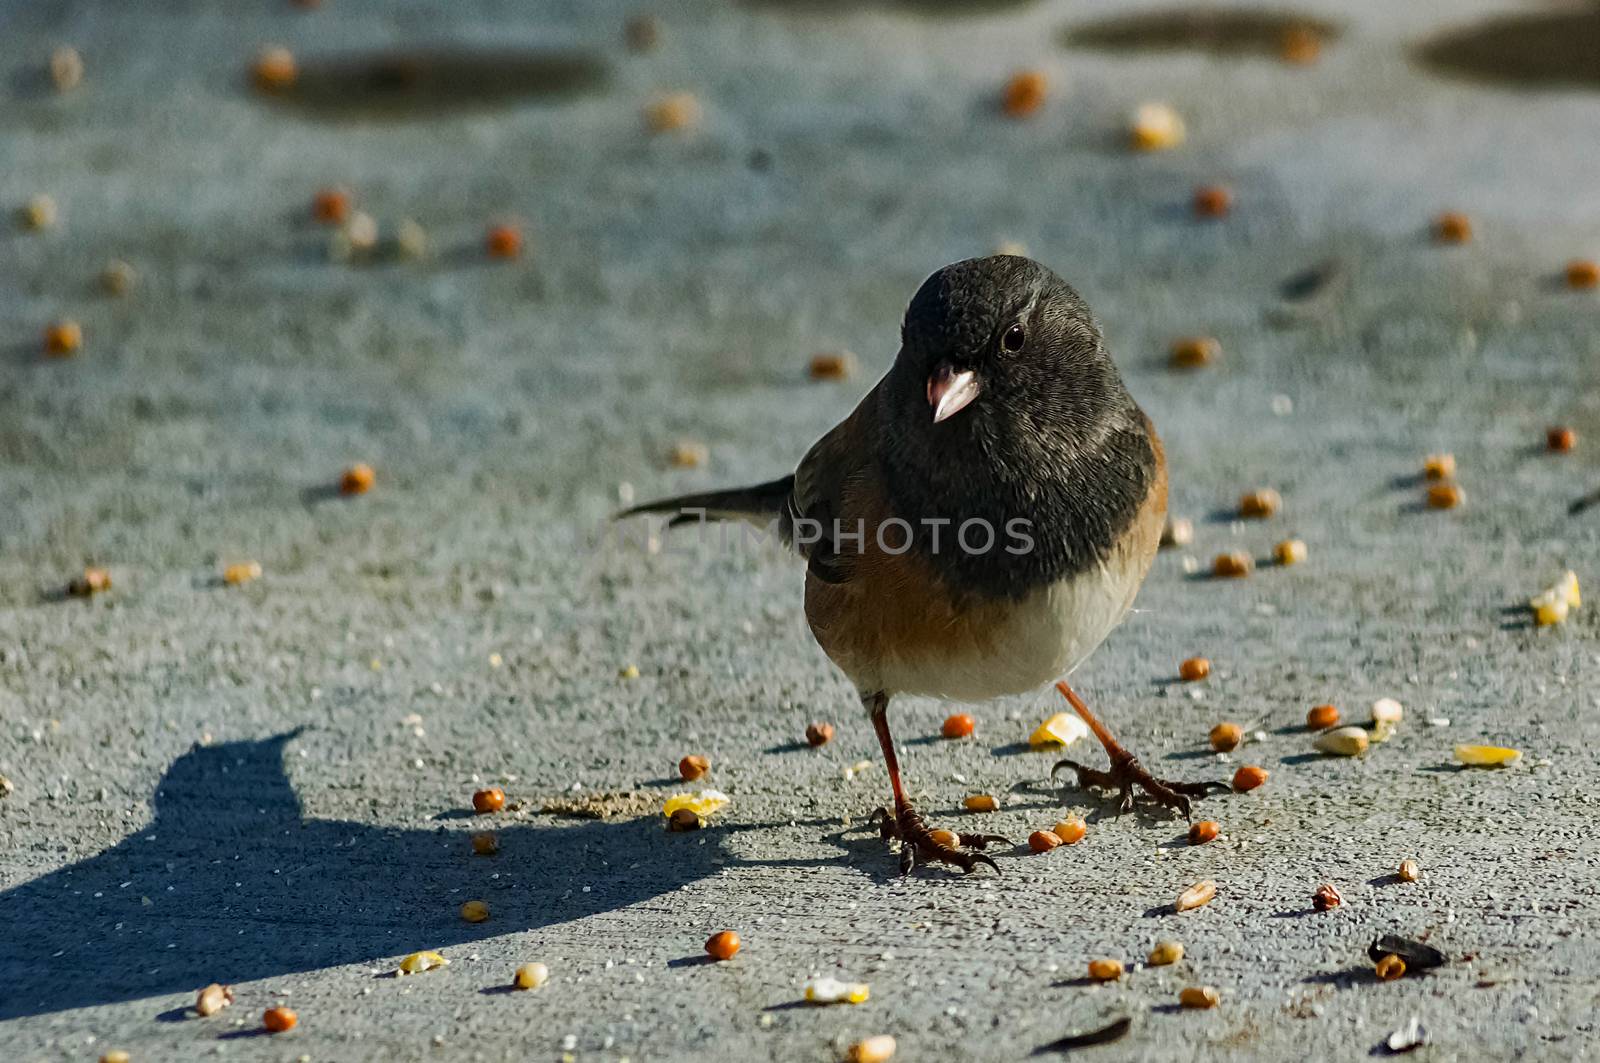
(231,882)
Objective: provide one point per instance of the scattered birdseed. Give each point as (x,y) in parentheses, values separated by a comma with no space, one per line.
(475,911)
(275,70)
(66,68)
(1226,736)
(63,339)
(1410,871)
(279,1020)
(1411,1035)
(1249,777)
(1583,273)
(1201,893)
(877,1049)
(701,804)
(722,945)
(980,803)
(530,976)
(628,671)
(1560,440)
(693,766)
(357,480)
(833,991)
(1232,565)
(212,999)
(673,114)
(492,799)
(1062,729)
(1418,956)
(418,962)
(331,206)
(1262,503)
(1439,466)
(39,212)
(1165,953)
(116,1055)
(1389,968)
(1212,201)
(1300,46)
(960,725)
(642,33)
(689,454)
(1342,742)
(503,241)
(1025,93)
(1156,127)
(1487,756)
(819,734)
(1193,669)
(684,819)
(1290,552)
(1321,717)
(1445,496)
(1204,831)
(93,581)
(411,239)
(1387,710)
(1194,352)
(1070,831)
(1178,532)
(485,843)
(242,572)
(7,787)
(1452,227)
(1326,898)
(833,365)
(1199,996)
(1042,841)
(118,278)
(1105,970)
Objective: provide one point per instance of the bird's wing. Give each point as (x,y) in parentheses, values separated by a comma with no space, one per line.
(816,508)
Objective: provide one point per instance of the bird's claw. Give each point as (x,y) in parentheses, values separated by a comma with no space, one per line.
(1127,774)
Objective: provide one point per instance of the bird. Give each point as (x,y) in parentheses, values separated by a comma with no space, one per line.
(979,523)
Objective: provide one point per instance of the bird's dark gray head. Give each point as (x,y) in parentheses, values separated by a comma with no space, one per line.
(1004,403)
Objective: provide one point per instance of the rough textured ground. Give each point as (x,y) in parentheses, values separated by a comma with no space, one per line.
(231,784)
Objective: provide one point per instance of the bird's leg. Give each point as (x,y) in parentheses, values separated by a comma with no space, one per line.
(905,822)
(1126,771)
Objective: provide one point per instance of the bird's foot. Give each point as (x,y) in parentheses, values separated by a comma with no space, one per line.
(1127,773)
(919,844)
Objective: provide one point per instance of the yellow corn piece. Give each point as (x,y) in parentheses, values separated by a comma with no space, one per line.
(833,991)
(1568,586)
(418,962)
(701,804)
(1062,729)
(1487,756)
(1549,608)
(1156,127)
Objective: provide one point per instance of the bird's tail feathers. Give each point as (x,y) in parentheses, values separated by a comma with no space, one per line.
(758,504)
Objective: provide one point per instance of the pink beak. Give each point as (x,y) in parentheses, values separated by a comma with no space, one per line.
(950,391)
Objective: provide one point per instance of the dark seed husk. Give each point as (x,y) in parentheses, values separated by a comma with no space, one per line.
(1418,957)
(1111,1031)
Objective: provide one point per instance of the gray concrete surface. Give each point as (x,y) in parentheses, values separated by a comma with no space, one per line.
(226,784)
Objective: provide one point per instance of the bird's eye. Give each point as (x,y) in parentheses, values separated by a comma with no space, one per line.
(1013,339)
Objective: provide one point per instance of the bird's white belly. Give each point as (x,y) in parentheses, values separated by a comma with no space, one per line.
(1024,644)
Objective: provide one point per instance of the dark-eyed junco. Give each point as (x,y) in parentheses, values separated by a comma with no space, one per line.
(981,521)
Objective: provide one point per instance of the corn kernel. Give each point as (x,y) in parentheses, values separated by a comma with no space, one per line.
(1025,93)
(1070,831)
(833,991)
(241,573)
(980,803)
(475,911)
(1165,954)
(1062,729)
(530,976)
(1439,466)
(418,962)
(1290,552)
(1199,996)
(1156,127)
(673,114)
(879,1049)
(1487,756)
(1105,970)
(1201,893)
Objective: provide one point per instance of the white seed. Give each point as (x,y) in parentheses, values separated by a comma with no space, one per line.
(1342,742)
(1200,893)
(1386,710)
